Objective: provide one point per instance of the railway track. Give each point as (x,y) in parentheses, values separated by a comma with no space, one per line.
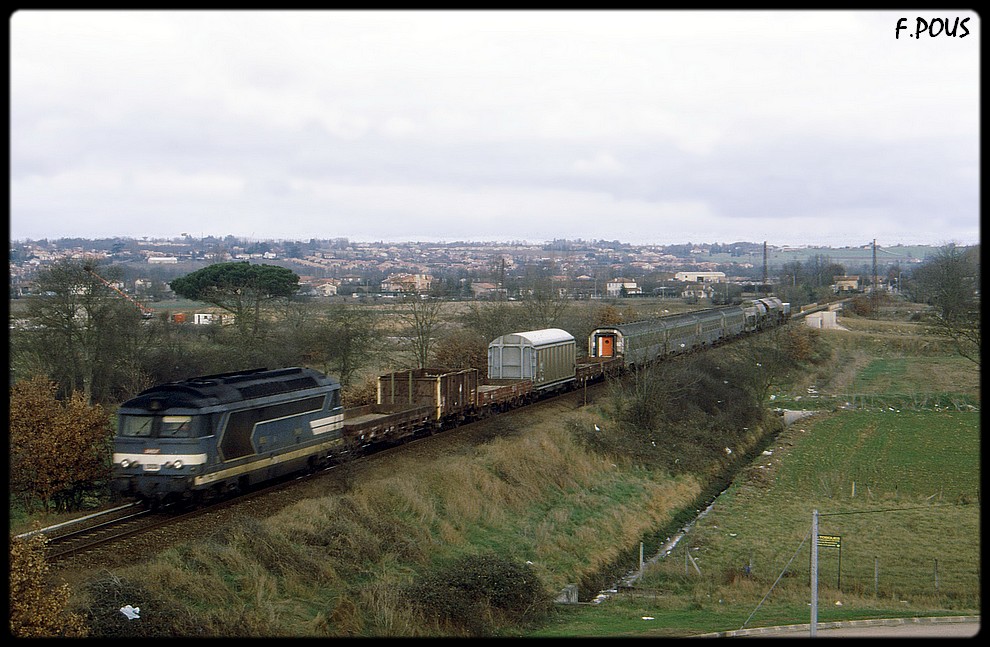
(100,529)
(84,537)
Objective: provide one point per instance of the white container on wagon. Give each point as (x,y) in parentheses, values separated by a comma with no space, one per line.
(547,357)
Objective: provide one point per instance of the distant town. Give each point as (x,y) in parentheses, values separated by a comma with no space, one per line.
(577,269)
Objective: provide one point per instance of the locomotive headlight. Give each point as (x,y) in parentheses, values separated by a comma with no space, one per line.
(125,463)
(177,465)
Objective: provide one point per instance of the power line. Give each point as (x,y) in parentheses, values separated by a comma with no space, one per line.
(925,507)
(779,577)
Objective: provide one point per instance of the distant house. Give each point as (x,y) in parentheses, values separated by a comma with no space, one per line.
(324,287)
(621,287)
(700,277)
(163,260)
(846,284)
(697,291)
(206,318)
(411,283)
(480,289)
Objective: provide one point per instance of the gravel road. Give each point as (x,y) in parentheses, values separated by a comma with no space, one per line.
(949,627)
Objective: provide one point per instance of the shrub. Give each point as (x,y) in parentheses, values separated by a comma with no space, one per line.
(678,415)
(37,611)
(473,592)
(801,342)
(360,394)
(157,617)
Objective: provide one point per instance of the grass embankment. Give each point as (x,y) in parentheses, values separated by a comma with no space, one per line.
(897,479)
(338,565)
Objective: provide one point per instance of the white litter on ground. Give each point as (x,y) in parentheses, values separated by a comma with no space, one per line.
(131,612)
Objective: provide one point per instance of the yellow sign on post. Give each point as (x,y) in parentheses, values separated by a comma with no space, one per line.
(833,541)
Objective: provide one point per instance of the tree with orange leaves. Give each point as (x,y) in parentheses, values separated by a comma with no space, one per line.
(59,450)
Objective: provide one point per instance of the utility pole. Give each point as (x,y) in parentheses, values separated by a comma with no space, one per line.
(874,293)
(814,572)
(501,277)
(764,266)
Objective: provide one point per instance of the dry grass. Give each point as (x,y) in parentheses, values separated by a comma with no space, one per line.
(334,566)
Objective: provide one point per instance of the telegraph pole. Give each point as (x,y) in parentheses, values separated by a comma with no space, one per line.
(875,295)
(814,572)
(764,267)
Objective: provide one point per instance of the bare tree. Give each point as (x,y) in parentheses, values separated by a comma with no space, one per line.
(422,320)
(491,319)
(950,283)
(544,306)
(462,348)
(81,334)
(341,340)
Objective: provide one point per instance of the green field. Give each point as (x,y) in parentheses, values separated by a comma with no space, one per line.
(901,455)
(892,465)
(895,382)
(902,493)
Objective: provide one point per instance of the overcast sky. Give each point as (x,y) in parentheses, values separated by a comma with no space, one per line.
(647,127)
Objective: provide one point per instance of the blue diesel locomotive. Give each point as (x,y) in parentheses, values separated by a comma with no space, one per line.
(210,436)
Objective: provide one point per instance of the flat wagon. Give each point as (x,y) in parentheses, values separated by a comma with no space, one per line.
(593,369)
(373,423)
(500,395)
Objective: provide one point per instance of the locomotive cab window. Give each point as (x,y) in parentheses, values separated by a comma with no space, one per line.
(176,427)
(159,426)
(135,426)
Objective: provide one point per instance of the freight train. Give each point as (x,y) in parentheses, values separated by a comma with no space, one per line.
(213,436)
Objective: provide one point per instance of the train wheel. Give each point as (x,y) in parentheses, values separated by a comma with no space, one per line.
(232,489)
(184,503)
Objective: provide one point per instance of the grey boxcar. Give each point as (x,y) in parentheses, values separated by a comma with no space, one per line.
(547,357)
